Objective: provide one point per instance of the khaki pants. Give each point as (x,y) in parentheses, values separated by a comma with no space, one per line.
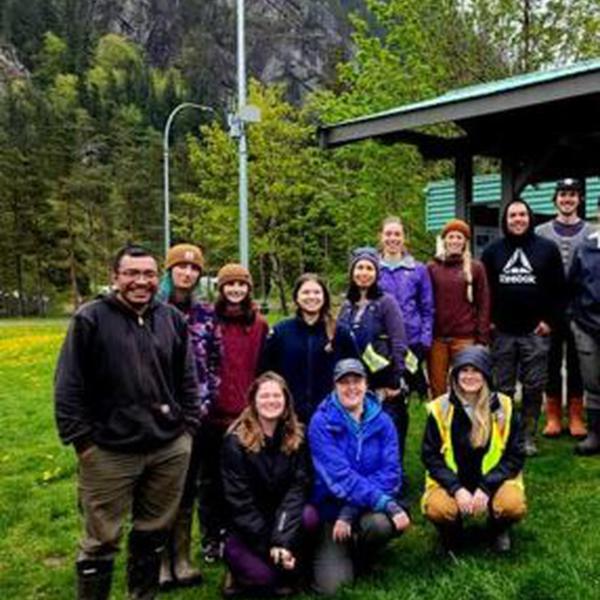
(112,484)
(507,504)
(443,351)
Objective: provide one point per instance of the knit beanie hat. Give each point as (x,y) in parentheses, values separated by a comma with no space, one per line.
(233,272)
(184,253)
(456,225)
(364,253)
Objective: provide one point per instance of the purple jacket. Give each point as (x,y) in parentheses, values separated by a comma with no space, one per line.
(381,325)
(205,340)
(410,284)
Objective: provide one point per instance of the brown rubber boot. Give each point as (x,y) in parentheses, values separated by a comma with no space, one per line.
(577,427)
(553,416)
(185,574)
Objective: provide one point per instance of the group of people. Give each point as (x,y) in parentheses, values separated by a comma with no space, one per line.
(291,442)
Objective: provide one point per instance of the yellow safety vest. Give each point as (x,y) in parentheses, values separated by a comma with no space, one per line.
(442,410)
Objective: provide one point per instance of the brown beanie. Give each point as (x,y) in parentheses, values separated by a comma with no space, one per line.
(456,225)
(184,253)
(233,272)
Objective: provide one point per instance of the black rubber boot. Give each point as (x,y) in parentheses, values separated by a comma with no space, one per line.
(499,535)
(450,537)
(143,563)
(94,578)
(591,444)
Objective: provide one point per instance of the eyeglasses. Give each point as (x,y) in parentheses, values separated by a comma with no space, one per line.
(136,274)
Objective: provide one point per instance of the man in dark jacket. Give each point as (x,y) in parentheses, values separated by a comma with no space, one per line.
(584,280)
(127,398)
(527,285)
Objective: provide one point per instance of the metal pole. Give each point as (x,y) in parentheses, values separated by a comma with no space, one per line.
(167,207)
(243,144)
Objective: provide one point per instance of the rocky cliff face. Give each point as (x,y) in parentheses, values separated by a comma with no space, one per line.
(296,41)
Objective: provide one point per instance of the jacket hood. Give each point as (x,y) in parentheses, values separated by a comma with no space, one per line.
(530,230)
(114,301)
(475,356)
(336,414)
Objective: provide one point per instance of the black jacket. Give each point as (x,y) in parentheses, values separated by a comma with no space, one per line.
(125,382)
(265,491)
(469,459)
(527,283)
(305,358)
(584,285)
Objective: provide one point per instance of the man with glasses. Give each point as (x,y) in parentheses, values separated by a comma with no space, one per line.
(127,398)
(567,230)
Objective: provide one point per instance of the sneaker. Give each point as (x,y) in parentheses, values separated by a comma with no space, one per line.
(212,551)
(530,448)
(230,588)
(502,543)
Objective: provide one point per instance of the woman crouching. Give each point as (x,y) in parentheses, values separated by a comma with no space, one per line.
(354,447)
(473,452)
(266,479)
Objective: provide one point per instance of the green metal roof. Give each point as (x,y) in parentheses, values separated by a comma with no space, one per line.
(440,196)
(487,89)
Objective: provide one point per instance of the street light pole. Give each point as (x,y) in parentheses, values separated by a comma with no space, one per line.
(167,207)
(243,143)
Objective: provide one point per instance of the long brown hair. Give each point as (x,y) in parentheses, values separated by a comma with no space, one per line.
(247,426)
(325,312)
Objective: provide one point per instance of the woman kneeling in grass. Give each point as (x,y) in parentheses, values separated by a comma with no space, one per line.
(266,481)
(473,452)
(354,446)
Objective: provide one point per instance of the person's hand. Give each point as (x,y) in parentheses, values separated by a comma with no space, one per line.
(480,502)
(342,530)
(283,557)
(464,499)
(401,521)
(542,329)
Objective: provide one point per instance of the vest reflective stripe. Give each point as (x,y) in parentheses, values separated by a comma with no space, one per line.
(442,411)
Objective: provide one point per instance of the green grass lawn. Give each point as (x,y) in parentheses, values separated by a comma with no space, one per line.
(556,549)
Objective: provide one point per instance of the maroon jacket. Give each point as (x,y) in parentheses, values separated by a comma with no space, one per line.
(241,347)
(455,316)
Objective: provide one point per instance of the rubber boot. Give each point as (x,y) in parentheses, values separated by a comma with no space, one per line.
(450,537)
(531,408)
(553,416)
(499,535)
(143,563)
(166,581)
(94,578)
(591,444)
(577,427)
(185,574)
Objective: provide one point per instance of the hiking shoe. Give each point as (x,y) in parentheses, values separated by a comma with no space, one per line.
(502,543)
(212,551)
(530,447)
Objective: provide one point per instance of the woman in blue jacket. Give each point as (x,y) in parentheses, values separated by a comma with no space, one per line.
(354,448)
(303,350)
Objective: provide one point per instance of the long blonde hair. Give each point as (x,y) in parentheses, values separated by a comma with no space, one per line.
(467,263)
(247,426)
(482,420)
